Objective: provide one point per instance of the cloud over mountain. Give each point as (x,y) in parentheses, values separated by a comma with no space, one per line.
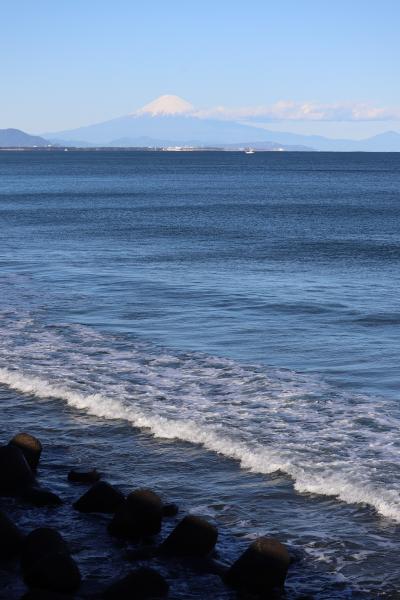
(284,110)
(287,110)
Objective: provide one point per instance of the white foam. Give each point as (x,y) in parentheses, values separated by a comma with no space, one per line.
(266,423)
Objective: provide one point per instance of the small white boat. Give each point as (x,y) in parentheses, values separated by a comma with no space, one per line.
(249,151)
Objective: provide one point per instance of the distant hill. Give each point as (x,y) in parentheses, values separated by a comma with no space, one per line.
(267,146)
(15,138)
(383,142)
(56,141)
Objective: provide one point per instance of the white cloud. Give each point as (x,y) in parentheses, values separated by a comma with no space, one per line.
(303,111)
(284,110)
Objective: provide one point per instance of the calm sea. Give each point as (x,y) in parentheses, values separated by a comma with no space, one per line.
(224,328)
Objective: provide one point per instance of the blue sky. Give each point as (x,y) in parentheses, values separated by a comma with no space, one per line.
(317,66)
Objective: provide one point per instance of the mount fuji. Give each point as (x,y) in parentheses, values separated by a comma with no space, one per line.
(167,120)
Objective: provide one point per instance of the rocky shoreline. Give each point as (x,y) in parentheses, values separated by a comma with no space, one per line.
(41,558)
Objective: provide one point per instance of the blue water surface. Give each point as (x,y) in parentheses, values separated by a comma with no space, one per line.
(252,296)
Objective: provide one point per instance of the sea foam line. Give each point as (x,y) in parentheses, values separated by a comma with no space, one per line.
(258,459)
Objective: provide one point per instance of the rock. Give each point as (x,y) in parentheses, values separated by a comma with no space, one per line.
(138,585)
(10,537)
(140,515)
(170,510)
(261,568)
(101,497)
(40,496)
(39,543)
(15,473)
(30,446)
(193,536)
(57,572)
(37,594)
(84,475)
(46,562)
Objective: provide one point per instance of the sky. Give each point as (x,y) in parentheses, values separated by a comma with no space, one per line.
(309,66)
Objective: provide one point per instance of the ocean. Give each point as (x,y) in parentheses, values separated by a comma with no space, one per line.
(223,328)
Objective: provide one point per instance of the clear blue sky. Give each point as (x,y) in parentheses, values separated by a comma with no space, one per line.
(65,63)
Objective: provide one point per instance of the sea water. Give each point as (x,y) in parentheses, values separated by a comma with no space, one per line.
(235,315)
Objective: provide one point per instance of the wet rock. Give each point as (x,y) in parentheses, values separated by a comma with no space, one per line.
(30,446)
(10,538)
(84,475)
(193,536)
(37,594)
(140,515)
(41,496)
(261,568)
(39,543)
(170,510)
(101,497)
(138,585)
(46,562)
(123,524)
(15,473)
(57,572)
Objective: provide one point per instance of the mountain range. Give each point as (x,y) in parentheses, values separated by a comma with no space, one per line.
(168,120)
(15,138)
(172,121)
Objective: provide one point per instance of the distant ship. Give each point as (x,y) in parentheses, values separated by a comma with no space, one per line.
(249,151)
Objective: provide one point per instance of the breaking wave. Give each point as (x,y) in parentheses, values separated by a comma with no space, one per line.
(268,420)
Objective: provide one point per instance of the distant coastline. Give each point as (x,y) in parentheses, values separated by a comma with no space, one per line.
(59,149)
(134,149)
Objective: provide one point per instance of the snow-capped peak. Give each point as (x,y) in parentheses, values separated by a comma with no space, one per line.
(166,105)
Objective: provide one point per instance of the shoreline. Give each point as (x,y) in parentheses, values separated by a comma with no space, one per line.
(125,553)
(53,476)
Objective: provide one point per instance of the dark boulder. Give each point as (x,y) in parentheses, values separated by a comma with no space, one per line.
(193,536)
(57,572)
(138,585)
(101,497)
(147,506)
(46,562)
(84,475)
(15,473)
(261,568)
(39,543)
(37,594)
(30,446)
(139,516)
(10,537)
(41,496)
(170,510)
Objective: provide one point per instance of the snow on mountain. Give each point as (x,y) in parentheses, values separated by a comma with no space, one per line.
(166,105)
